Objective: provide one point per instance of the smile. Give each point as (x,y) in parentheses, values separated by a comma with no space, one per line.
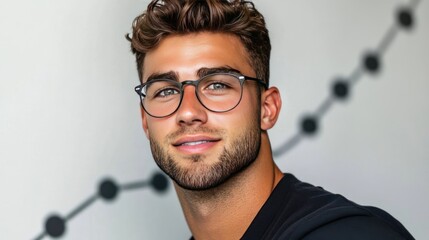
(194,143)
(194,140)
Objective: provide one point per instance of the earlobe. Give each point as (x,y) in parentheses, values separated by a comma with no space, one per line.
(271,104)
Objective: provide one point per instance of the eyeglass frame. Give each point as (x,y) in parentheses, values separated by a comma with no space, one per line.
(240,77)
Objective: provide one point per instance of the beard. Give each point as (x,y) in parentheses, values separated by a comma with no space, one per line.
(200,175)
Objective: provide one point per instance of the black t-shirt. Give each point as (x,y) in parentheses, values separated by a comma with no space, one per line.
(298,210)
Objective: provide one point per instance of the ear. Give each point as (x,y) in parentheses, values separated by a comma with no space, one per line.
(144,121)
(271,103)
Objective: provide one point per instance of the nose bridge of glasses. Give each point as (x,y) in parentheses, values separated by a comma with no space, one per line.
(189,82)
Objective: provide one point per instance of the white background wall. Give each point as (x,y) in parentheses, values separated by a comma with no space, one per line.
(69,116)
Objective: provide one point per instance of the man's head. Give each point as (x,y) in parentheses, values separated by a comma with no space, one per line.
(178,42)
(176,17)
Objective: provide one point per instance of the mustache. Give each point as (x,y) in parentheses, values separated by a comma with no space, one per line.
(194,131)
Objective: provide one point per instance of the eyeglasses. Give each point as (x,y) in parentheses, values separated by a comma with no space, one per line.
(219,92)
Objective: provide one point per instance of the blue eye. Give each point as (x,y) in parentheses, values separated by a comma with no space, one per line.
(167,92)
(217,86)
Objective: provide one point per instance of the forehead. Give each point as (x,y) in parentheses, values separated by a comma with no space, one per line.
(185,54)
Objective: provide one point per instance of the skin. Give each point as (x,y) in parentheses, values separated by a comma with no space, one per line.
(226,210)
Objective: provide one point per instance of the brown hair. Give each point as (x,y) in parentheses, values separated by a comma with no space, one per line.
(237,17)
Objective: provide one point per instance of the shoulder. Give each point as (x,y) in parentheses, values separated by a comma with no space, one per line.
(345,220)
(332,216)
(298,210)
(357,227)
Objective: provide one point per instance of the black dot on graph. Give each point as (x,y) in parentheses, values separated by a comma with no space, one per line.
(108,189)
(55,226)
(309,125)
(159,182)
(340,89)
(371,62)
(405,18)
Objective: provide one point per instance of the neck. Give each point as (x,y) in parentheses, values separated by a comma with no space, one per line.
(225,212)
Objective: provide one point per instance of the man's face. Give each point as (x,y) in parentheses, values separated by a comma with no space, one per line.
(197,148)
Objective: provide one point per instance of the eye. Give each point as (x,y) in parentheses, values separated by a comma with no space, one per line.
(166,92)
(217,86)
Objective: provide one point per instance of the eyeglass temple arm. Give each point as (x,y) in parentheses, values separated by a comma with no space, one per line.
(264,84)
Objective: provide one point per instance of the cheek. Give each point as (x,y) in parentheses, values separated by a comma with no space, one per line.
(250,105)
(240,119)
(158,128)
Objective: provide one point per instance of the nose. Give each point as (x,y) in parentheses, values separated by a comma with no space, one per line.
(191,111)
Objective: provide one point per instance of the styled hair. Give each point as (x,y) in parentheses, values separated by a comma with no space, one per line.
(178,17)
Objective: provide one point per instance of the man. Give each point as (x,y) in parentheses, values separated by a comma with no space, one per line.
(206,109)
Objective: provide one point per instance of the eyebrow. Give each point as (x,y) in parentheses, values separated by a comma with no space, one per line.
(171,75)
(225,69)
(167,75)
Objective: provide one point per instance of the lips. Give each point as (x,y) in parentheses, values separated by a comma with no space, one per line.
(194,141)
(195,144)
